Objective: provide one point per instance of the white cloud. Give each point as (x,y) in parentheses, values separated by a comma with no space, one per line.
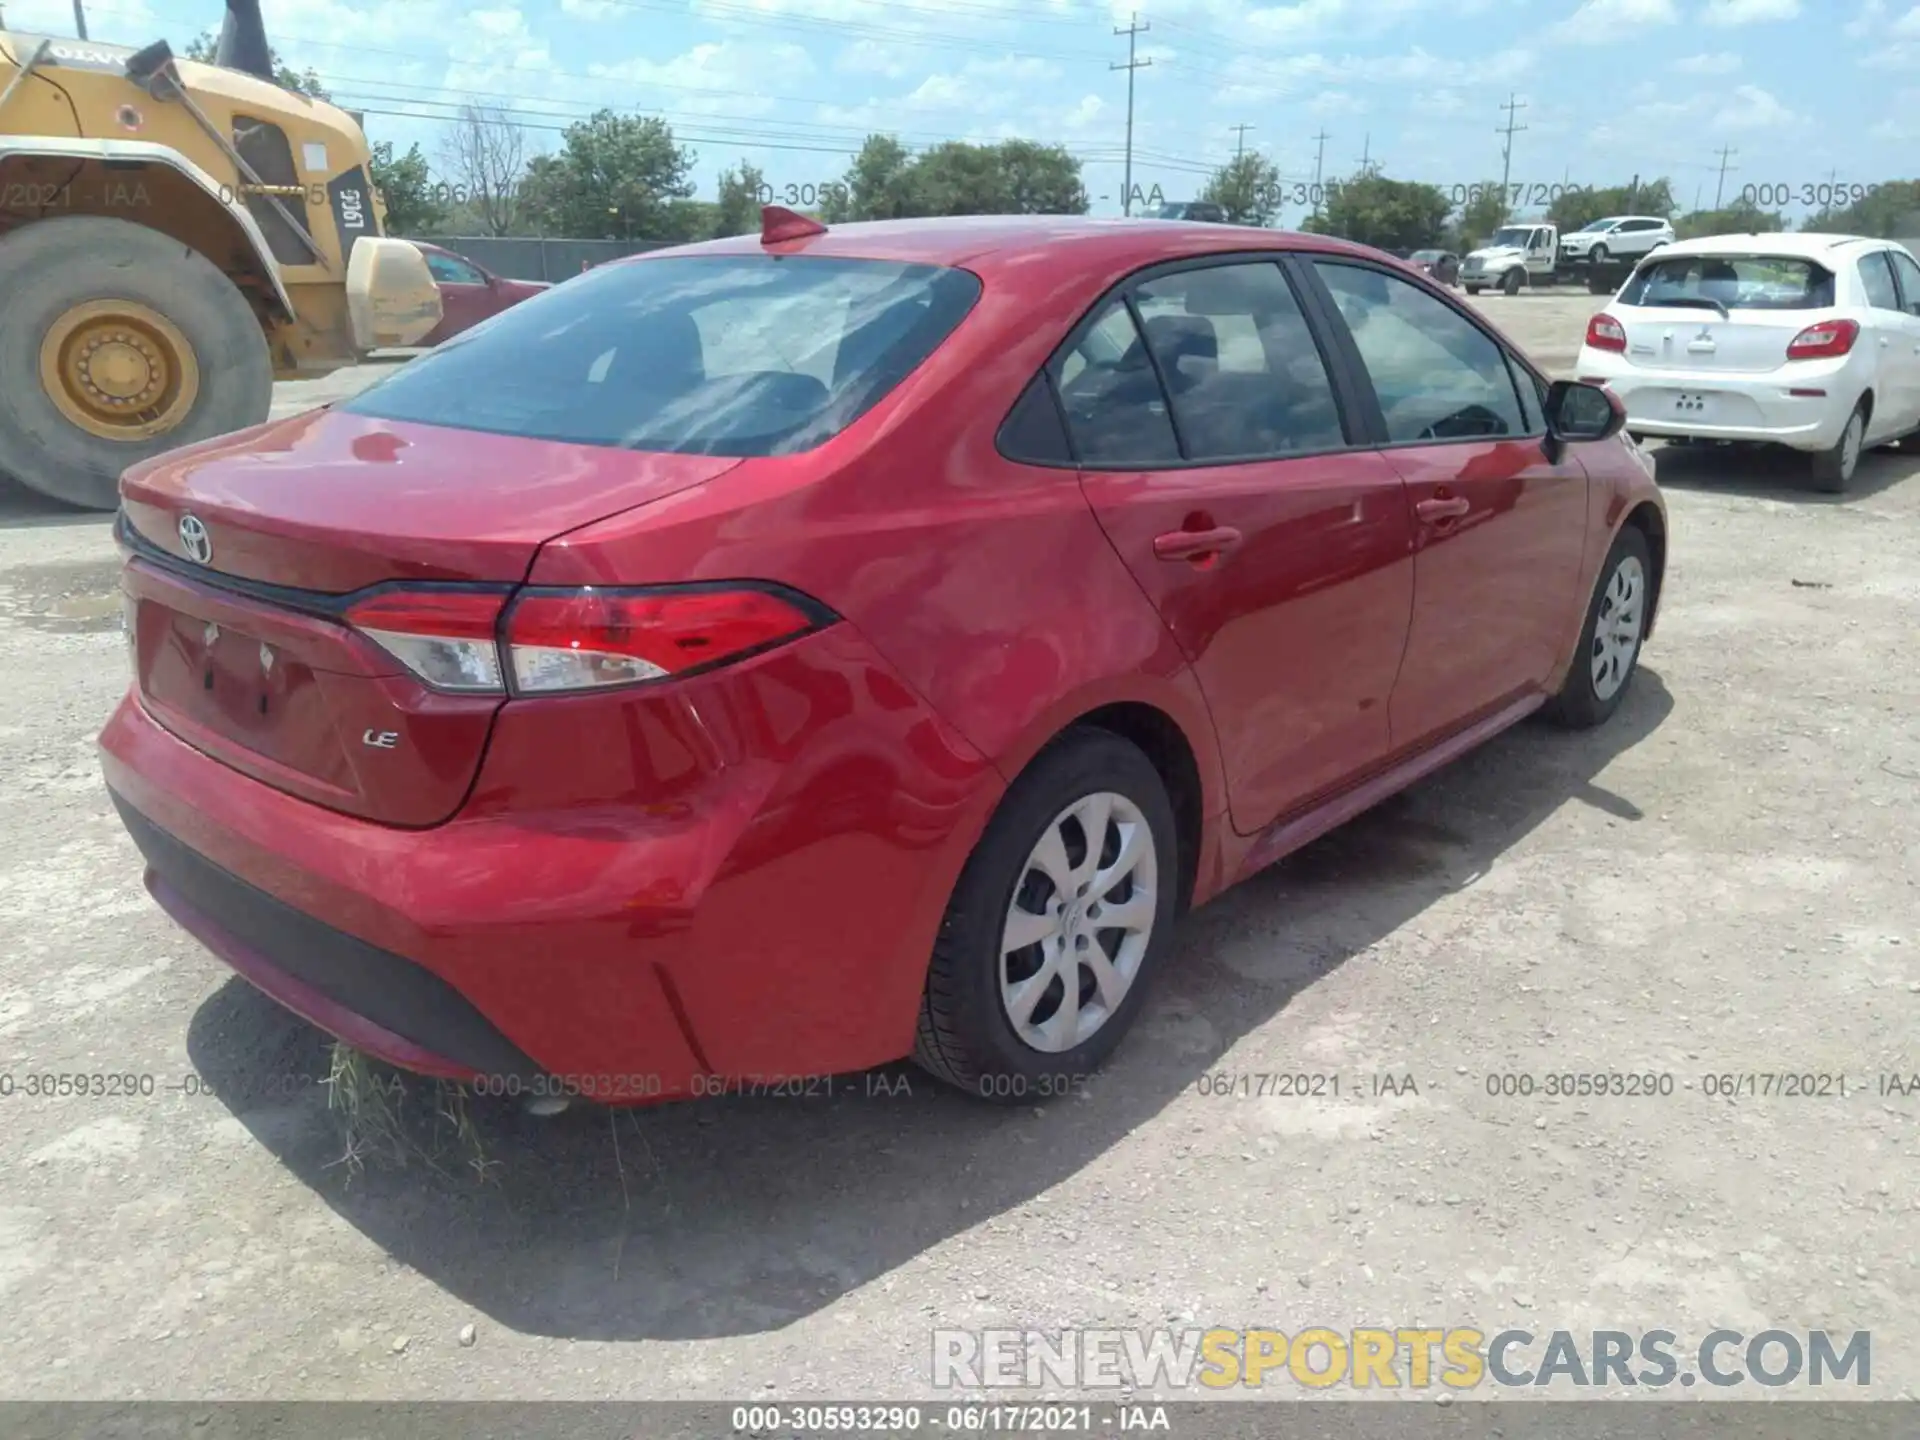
(871,57)
(1902,123)
(727,77)
(1908,24)
(1723,62)
(591,9)
(1750,12)
(1602,22)
(1752,108)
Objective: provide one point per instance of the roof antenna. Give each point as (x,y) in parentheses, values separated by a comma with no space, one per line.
(779,224)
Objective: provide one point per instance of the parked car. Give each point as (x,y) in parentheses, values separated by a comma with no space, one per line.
(782,655)
(1442,265)
(1202,210)
(1806,341)
(1618,237)
(469,293)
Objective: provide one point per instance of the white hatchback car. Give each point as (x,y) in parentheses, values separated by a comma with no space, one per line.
(1618,237)
(1807,341)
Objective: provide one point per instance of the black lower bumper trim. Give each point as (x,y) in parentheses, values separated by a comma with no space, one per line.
(391,991)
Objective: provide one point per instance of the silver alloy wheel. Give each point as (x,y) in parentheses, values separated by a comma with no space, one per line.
(1850,439)
(1616,630)
(1080,921)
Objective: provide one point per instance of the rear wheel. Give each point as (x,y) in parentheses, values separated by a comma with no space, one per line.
(117,343)
(1510,283)
(1833,468)
(1609,649)
(1598,256)
(1059,916)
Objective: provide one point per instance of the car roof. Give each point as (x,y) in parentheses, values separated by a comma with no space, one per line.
(995,242)
(1792,243)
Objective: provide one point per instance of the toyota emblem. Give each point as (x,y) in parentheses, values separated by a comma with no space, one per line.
(195,543)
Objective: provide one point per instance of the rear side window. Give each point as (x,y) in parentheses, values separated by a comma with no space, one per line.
(1437,375)
(1116,412)
(1876,278)
(721,355)
(1739,282)
(1909,273)
(1240,364)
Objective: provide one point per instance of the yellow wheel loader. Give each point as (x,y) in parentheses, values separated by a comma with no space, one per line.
(174,237)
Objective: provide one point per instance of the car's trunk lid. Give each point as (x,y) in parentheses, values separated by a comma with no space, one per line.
(247,654)
(1745,342)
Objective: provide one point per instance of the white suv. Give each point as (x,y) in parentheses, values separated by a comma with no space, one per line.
(1806,341)
(1619,237)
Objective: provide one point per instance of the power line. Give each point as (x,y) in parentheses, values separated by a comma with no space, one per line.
(1513,106)
(1133,31)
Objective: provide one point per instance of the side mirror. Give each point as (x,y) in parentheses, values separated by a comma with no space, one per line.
(1579,413)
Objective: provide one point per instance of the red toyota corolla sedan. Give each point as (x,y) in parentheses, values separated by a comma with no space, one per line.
(779,656)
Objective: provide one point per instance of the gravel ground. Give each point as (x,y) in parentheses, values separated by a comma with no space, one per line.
(1721,880)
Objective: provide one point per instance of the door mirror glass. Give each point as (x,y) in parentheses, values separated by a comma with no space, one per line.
(1582,412)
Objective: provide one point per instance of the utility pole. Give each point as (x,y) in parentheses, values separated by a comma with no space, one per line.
(1366,155)
(1240,148)
(80,18)
(1513,107)
(1720,184)
(1132,32)
(1319,162)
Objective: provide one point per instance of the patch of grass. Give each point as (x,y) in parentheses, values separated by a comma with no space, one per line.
(390,1119)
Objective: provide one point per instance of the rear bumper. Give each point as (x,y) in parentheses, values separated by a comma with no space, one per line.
(1739,407)
(739,875)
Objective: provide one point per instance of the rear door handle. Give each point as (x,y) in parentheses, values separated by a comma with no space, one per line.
(1431,511)
(1195,544)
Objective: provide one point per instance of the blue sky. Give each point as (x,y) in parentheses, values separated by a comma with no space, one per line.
(1799,89)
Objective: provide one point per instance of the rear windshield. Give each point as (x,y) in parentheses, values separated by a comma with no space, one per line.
(704,355)
(1739,282)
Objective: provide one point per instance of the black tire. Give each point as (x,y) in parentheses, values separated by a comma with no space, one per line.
(1597,256)
(1510,282)
(50,266)
(965,1036)
(1474,289)
(1832,470)
(1579,705)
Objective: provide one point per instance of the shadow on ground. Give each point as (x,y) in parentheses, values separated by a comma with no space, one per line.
(1770,473)
(722,1217)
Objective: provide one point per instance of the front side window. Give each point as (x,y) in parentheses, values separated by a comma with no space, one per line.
(1241,367)
(702,355)
(1437,375)
(1116,411)
(449,271)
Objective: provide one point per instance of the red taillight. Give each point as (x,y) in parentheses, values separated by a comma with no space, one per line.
(443,636)
(1606,333)
(555,641)
(559,640)
(1824,341)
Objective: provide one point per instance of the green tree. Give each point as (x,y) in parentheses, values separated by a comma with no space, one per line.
(877,186)
(203,46)
(1387,214)
(1889,211)
(1742,217)
(739,205)
(405,183)
(1484,212)
(1247,187)
(615,176)
(1038,179)
(1574,208)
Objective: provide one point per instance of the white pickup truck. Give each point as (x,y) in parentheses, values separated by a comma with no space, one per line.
(1514,255)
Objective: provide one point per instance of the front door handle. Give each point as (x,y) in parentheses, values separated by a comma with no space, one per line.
(1196,544)
(1435,510)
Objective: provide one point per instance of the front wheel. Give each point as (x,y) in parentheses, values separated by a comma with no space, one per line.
(1609,649)
(1598,256)
(1510,283)
(1063,909)
(1474,289)
(117,343)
